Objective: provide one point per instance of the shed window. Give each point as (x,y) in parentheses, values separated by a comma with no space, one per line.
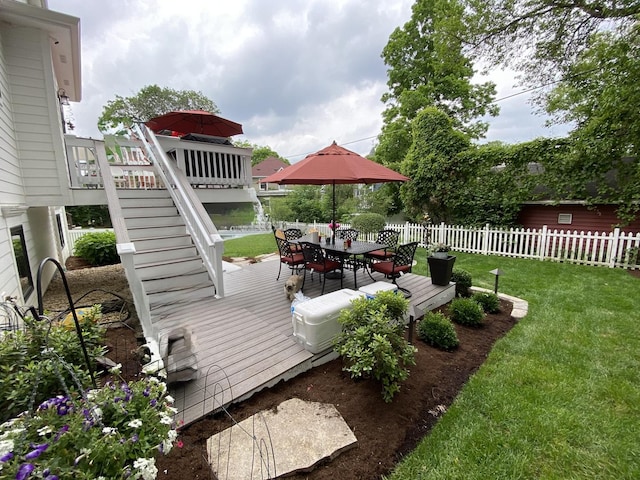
(565,218)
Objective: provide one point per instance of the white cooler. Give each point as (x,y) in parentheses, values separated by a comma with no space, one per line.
(372,290)
(315,321)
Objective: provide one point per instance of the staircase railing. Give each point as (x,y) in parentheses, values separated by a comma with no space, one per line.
(202,230)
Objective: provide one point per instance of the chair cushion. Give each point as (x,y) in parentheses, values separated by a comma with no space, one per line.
(327,266)
(387,268)
(380,254)
(280,234)
(296,258)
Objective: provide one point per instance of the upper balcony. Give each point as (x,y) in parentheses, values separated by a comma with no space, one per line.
(218,172)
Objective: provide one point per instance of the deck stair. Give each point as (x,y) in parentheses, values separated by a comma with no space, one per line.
(166,260)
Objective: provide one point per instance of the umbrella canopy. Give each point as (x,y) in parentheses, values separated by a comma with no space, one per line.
(334,165)
(195,121)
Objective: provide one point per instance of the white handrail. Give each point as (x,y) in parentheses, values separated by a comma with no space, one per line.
(202,230)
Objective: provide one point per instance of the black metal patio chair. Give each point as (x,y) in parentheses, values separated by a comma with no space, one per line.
(315,260)
(401,263)
(385,237)
(293,260)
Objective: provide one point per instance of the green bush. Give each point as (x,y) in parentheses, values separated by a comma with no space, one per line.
(489,302)
(466,311)
(372,342)
(462,278)
(437,330)
(35,363)
(368,223)
(98,248)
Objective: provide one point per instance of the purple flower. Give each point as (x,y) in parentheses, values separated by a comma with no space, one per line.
(6,457)
(51,477)
(135,438)
(37,451)
(153,402)
(146,391)
(24,471)
(63,429)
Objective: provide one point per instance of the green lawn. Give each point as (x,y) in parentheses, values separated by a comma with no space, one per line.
(558,397)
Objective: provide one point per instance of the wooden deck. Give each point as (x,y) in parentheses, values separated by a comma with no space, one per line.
(244,342)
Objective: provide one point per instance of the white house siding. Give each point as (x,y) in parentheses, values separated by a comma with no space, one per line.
(36,114)
(11,188)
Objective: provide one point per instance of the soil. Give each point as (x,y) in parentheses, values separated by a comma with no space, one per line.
(385,431)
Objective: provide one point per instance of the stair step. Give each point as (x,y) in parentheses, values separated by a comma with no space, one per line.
(186,294)
(143,222)
(169,269)
(136,233)
(139,193)
(156,285)
(151,211)
(151,243)
(144,257)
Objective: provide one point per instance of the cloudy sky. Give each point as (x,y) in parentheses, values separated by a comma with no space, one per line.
(296,74)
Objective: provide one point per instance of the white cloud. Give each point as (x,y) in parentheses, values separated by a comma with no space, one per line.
(297,75)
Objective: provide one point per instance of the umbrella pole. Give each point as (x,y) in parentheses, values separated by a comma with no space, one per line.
(333,237)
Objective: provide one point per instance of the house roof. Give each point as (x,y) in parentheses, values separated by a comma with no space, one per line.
(268,166)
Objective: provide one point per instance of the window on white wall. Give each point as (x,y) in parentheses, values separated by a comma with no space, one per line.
(22,260)
(565,218)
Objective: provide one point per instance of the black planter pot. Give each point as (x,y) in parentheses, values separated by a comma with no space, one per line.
(441,269)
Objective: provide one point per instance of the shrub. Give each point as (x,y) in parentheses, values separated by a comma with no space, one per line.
(466,311)
(463,282)
(372,342)
(367,223)
(98,248)
(437,330)
(40,361)
(489,302)
(113,432)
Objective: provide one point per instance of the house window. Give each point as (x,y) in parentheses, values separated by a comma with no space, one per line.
(60,229)
(565,218)
(22,260)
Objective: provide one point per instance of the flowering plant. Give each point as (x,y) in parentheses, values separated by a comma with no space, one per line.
(440,247)
(109,433)
(334,225)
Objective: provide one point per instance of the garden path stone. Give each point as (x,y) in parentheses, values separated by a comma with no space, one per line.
(302,434)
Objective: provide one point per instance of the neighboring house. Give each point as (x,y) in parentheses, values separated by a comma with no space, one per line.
(265,168)
(170,249)
(572,215)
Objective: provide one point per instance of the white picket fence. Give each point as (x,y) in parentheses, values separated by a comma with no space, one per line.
(608,249)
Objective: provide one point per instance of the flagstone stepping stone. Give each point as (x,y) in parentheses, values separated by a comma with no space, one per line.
(294,437)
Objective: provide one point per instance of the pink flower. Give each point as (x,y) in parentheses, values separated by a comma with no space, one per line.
(179,444)
(333,225)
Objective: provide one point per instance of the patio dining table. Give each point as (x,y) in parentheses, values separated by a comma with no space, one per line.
(356,248)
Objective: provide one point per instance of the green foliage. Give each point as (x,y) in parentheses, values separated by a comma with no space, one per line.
(90,216)
(462,279)
(372,342)
(466,311)
(98,248)
(437,177)
(437,330)
(489,302)
(114,432)
(151,101)
(368,223)
(31,361)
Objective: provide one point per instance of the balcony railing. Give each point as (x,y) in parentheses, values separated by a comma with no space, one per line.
(204,164)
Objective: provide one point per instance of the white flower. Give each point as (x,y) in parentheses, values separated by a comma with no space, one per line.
(172,410)
(6,446)
(166,419)
(45,430)
(137,423)
(150,368)
(109,430)
(169,399)
(116,370)
(172,435)
(92,394)
(146,467)
(166,446)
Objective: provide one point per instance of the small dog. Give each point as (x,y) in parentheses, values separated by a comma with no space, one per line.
(292,286)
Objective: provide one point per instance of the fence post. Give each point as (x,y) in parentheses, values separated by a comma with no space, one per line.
(612,247)
(485,240)
(542,244)
(406,233)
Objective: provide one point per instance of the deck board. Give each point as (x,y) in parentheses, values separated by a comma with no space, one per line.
(244,342)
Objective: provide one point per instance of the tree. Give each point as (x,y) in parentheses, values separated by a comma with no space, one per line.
(150,102)
(427,67)
(542,37)
(437,177)
(260,153)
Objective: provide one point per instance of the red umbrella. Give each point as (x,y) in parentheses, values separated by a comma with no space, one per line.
(195,121)
(334,165)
